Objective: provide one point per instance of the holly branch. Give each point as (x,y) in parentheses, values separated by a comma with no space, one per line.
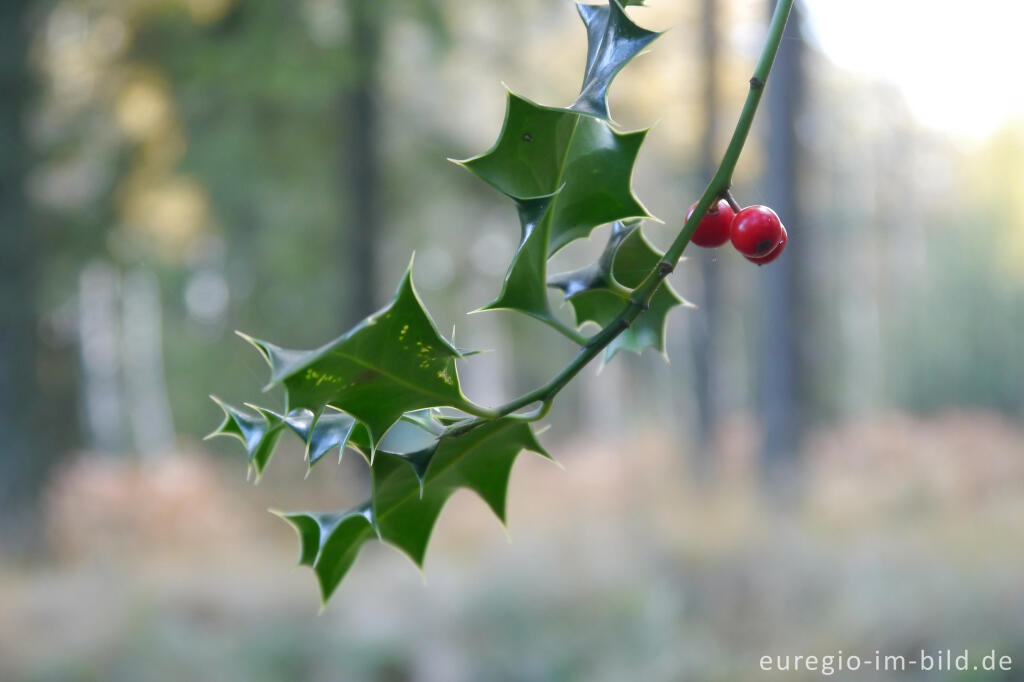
(393,380)
(639,298)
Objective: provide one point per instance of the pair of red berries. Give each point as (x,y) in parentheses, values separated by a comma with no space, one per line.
(755,231)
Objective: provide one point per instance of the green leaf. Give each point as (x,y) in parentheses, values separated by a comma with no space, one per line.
(330,542)
(331,429)
(567,173)
(612,40)
(408,493)
(599,292)
(258,433)
(542,151)
(524,288)
(410,490)
(428,420)
(393,362)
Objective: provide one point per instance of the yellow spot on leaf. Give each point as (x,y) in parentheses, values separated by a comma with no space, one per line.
(319,378)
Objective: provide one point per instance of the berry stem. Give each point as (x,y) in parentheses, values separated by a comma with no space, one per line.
(640,298)
(731,200)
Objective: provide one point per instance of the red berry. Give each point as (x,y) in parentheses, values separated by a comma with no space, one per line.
(773,254)
(713,230)
(756,231)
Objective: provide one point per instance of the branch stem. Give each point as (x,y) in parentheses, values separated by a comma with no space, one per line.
(640,297)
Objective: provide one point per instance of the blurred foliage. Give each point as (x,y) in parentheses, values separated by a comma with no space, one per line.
(207,135)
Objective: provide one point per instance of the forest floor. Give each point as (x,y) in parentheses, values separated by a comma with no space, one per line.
(908,535)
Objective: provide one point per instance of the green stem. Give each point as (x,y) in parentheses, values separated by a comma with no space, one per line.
(722,180)
(640,297)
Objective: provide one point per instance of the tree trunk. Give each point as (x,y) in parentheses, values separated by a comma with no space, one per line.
(706,320)
(23,462)
(142,362)
(779,353)
(362,162)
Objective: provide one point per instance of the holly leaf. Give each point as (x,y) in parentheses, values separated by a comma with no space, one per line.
(408,493)
(330,429)
(612,40)
(321,434)
(329,542)
(395,361)
(428,420)
(567,173)
(258,432)
(599,292)
(524,288)
(410,490)
(580,162)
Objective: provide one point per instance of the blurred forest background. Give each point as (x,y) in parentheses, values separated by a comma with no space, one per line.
(833,459)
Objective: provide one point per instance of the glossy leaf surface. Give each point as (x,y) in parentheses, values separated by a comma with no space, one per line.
(331,429)
(393,362)
(612,40)
(258,432)
(567,173)
(543,150)
(329,542)
(524,289)
(599,292)
(409,492)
